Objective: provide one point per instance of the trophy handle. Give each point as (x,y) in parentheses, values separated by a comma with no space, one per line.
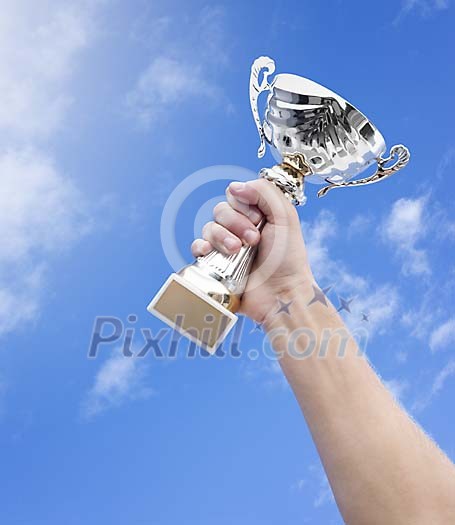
(400,152)
(255,89)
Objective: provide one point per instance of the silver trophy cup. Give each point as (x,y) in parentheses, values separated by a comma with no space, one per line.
(315,136)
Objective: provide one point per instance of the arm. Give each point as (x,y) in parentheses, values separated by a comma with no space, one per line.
(382,468)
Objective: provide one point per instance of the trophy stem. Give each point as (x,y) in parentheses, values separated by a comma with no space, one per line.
(232,269)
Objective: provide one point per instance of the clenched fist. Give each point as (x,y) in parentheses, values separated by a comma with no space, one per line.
(281,265)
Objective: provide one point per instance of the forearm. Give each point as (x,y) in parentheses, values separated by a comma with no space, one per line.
(381,466)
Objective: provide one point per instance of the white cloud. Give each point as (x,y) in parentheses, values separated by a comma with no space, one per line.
(120,379)
(421,320)
(318,235)
(202,32)
(41,211)
(324,493)
(39,43)
(430,313)
(41,214)
(182,68)
(20,295)
(380,302)
(359,225)
(401,357)
(299,484)
(443,335)
(405,223)
(397,387)
(164,86)
(446,161)
(423,8)
(438,384)
(443,375)
(268,374)
(316,484)
(403,228)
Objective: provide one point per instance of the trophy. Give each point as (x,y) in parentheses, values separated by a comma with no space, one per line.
(315,136)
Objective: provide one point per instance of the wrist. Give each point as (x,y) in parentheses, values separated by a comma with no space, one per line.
(305,305)
(305,325)
(291,300)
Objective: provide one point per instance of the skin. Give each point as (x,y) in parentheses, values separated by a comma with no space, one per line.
(383,469)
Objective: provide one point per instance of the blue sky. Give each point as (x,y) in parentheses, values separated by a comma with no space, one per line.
(106,107)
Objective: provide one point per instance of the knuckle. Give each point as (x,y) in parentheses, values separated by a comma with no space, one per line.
(207,229)
(234,203)
(257,184)
(220,209)
(218,233)
(242,221)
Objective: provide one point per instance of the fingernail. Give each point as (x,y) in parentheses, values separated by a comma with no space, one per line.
(250,236)
(236,186)
(230,243)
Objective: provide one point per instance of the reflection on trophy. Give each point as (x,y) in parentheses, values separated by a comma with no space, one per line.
(315,136)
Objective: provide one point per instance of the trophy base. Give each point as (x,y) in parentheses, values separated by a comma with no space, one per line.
(191,312)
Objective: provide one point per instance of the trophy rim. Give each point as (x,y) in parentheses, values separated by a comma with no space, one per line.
(283,80)
(335,153)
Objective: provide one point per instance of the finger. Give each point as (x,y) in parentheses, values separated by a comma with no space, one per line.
(236,223)
(200,247)
(252,212)
(267,197)
(221,239)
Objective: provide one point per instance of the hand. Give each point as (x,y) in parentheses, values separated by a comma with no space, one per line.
(281,265)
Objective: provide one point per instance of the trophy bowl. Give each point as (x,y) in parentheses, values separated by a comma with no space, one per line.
(335,139)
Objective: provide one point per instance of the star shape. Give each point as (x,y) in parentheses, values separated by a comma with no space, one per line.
(320,295)
(365,317)
(257,328)
(327,289)
(345,304)
(284,307)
